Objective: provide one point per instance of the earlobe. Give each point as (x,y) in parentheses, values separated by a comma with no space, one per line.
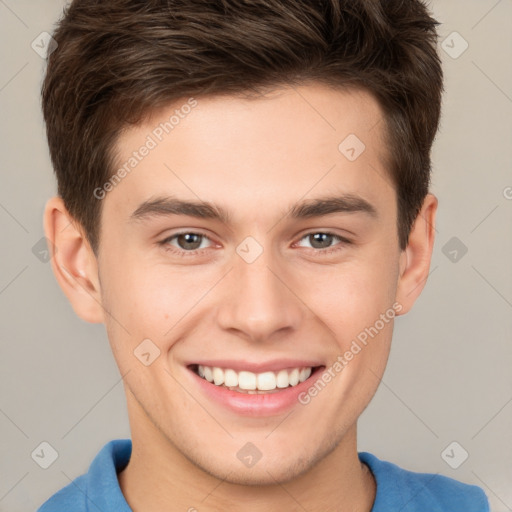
(73,261)
(415,259)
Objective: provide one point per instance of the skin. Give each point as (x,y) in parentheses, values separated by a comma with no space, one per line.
(255,158)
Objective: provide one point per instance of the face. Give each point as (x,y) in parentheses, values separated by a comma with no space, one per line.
(256,245)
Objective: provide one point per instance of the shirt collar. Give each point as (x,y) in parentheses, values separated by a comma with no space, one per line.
(104,492)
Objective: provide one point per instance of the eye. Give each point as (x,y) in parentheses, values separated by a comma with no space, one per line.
(322,240)
(189,243)
(186,241)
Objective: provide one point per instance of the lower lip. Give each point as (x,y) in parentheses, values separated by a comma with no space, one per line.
(265,404)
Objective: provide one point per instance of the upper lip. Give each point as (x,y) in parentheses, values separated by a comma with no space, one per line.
(251,366)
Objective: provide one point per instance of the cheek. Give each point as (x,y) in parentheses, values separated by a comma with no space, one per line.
(155,301)
(135,290)
(141,303)
(351,296)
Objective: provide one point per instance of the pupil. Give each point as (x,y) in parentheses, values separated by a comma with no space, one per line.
(320,238)
(189,241)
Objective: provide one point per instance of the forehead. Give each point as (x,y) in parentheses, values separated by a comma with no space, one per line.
(255,155)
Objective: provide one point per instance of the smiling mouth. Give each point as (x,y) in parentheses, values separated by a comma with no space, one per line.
(254,383)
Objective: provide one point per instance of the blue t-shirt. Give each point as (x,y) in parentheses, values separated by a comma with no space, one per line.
(397,489)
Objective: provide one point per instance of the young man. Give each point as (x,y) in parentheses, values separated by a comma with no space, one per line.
(243,202)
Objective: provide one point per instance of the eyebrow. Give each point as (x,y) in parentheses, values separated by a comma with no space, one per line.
(166,206)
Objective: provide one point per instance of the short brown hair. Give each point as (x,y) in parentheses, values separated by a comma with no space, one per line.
(119,60)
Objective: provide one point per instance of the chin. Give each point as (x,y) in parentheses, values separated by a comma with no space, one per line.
(261,474)
(277,468)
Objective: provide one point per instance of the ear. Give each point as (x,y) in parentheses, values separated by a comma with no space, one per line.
(415,258)
(73,261)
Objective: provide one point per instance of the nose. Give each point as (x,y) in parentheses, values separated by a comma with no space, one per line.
(258,301)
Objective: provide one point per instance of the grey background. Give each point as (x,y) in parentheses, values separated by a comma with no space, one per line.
(448,377)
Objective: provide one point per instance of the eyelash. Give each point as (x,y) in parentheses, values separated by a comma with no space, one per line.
(182,253)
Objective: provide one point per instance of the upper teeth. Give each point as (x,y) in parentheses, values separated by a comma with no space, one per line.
(265,381)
